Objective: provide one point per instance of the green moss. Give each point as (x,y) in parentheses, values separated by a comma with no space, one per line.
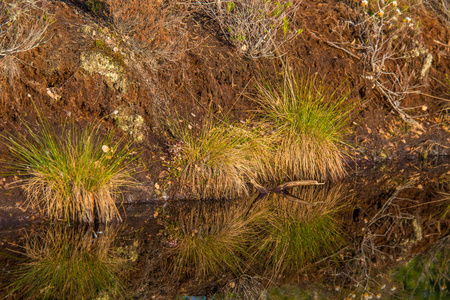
(101,46)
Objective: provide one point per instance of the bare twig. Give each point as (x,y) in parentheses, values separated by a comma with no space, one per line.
(256,28)
(23,25)
(384,43)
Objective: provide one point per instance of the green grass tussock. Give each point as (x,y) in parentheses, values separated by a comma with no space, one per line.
(67,263)
(75,175)
(307,121)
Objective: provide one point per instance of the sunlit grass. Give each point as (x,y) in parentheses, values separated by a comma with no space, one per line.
(307,121)
(68,263)
(296,234)
(219,160)
(75,175)
(212,238)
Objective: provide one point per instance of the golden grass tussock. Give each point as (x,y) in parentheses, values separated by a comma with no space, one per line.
(219,160)
(75,175)
(307,121)
(66,262)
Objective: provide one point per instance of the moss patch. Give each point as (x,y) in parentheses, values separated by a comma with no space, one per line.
(103,60)
(130,122)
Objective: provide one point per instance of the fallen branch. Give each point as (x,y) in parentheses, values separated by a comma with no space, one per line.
(282,187)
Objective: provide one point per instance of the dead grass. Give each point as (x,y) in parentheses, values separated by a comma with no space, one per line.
(257,28)
(23,25)
(75,175)
(9,68)
(306,121)
(440,7)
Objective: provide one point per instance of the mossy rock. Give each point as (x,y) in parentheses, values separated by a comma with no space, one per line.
(131,122)
(103,60)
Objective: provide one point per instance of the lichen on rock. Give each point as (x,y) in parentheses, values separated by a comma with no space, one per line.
(131,122)
(107,66)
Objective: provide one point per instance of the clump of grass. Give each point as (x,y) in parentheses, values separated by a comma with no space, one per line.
(212,238)
(295,235)
(75,175)
(66,262)
(307,121)
(220,160)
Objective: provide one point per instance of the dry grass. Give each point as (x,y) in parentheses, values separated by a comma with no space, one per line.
(9,68)
(75,175)
(155,27)
(23,25)
(440,7)
(307,121)
(220,160)
(66,262)
(257,28)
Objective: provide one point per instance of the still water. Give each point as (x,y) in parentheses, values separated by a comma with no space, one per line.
(383,233)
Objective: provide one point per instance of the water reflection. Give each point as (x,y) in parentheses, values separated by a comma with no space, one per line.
(295,234)
(65,262)
(338,242)
(254,239)
(427,276)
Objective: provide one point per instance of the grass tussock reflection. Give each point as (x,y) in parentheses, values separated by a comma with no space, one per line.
(65,262)
(212,238)
(274,235)
(295,234)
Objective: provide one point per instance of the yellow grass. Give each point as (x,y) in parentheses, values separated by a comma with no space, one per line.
(306,121)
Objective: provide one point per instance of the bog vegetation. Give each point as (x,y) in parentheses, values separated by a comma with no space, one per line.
(307,120)
(74,175)
(298,133)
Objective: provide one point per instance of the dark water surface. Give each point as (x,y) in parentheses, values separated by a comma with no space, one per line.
(381,233)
